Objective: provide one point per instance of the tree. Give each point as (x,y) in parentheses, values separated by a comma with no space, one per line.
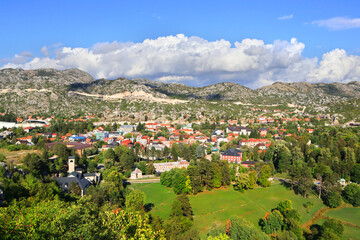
(264,175)
(242,182)
(74,189)
(334,226)
(181,182)
(238,228)
(185,205)
(142,166)
(304,180)
(174,153)
(194,175)
(225,173)
(283,205)
(332,199)
(205,170)
(281,158)
(216,175)
(135,200)
(355,173)
(150,168)
(110,155)
(351,194)
(178,223)
(273,222)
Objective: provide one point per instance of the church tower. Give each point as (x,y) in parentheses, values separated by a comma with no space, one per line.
(71,164)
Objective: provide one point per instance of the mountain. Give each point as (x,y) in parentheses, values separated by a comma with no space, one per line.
(18,76)
(74,91)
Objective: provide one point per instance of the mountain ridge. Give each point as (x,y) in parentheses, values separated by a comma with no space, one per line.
(43,90)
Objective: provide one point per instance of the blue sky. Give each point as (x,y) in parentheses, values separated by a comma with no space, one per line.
(322,26)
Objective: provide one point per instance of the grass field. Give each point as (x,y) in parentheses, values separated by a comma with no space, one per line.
(17,156)
(350,233)
(220,204)
(350,215)
(162,197)
(347,214)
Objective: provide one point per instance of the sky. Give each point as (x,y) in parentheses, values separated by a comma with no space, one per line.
(253,43)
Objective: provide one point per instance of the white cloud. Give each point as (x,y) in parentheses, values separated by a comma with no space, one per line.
(175,78)
(198,62)
(338,23)
(286,17)
(18,58)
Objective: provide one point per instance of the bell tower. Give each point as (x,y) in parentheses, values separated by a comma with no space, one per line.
(71,164)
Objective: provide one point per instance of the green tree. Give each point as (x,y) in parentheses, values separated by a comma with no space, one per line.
(281,158)
(355,173)
(194,175)
(332,199)
(135,200)
(150,169)
(238,228)
(351,194)
(272,223)
(264,175)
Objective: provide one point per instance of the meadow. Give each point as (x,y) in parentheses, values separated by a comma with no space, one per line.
(350,233)
(347,214)
(16,157)
(220,204)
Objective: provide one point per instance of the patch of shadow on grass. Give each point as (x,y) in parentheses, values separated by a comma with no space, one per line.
(148,207)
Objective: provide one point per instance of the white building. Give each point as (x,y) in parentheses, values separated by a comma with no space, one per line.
(136,174)
(164,167)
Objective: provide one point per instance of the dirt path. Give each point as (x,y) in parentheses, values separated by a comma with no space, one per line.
(320,215)
(150,180)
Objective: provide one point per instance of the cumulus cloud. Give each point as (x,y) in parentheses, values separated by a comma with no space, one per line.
(197,62)
(286,17)
(338,23)
(175,78)
(18,58)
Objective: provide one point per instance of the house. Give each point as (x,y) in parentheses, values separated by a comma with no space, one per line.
(127,129)
(232,155)
(157,147)
(136,174)
(167,166)
(75,138)
(263,131)
(217,132)
(93,178)
(252,142)
(239,130)
(248,164)
(101,135)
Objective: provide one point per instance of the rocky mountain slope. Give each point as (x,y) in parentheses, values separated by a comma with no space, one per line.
(72,90)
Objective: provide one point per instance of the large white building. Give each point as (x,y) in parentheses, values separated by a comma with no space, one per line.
(164,167)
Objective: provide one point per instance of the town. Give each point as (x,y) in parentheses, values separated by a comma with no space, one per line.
(86,157)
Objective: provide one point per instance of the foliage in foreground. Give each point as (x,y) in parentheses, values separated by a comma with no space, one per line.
(236,228)
(60,220)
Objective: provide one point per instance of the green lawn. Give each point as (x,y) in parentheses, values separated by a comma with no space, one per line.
(350,233)
(220,204)
(162,197)
(347,214)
